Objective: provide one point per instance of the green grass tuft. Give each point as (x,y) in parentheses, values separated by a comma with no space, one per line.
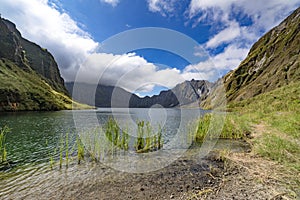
(3,153)
(234,127)
(279,110)
(80,150)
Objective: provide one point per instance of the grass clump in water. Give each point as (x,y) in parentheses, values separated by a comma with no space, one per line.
(125,140)
(147,140)
(202,129)
(234,127)
(140,144)
(68,146)
(100,143)
(3,152)
(61,149)
(118,137)
(51,155)
(80,150)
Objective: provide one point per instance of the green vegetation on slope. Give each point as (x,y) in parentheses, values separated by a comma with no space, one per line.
(274,55)
(26,90)
(279,112)
(28,55)
(270,122)
(264,103)
(272,62)
(278,115)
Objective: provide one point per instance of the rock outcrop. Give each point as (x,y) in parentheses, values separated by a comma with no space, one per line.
(28,55)
(273,61)
(29,76)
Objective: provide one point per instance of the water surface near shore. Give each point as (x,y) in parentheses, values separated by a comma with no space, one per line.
(34,134)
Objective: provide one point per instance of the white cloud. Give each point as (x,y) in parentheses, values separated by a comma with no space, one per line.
(129,71)
(133,72)
(264,14)
(73,48)
(212,69)
(230,58)
(51,27)
(197,6)
(224,16)
(111,2)
(46,25)
(228,31)
(163,7)
(227,35)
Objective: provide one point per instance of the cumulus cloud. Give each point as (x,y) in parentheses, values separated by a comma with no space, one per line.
(212,69)
(225,36)
(128,71)
(45,23)
(230,58)
(74,49)
(231,35)
(163,7)
(52,28)
(111,2)
(237,38)
(133,72)
(264,14)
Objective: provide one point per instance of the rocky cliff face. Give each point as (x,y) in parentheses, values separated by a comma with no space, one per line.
(29,75)
(181,95)
(273,61)
(29,55)
(10,45)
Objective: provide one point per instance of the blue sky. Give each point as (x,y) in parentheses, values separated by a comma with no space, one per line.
(76,33)
(103,20)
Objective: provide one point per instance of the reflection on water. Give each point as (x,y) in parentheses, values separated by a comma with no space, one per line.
(26,143)
(35,134)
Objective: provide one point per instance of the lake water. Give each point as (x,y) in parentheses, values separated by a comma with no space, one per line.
(33,134)
(36,136)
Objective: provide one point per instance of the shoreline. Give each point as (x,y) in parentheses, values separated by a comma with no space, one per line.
(219,175)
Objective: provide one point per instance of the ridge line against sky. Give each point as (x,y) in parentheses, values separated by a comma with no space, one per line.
(73,31)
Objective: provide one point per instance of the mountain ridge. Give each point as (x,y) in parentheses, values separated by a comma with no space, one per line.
(273,61)
(182,94)
(28,54)
(29,76)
